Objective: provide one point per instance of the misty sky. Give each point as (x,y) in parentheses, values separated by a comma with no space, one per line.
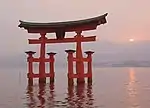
(126,19)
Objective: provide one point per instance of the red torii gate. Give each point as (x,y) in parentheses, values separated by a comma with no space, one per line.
(60,28)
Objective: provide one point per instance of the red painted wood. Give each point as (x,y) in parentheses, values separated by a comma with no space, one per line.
(89,55)
(79,76)
(52,64)
(30,65)
(42,57)
(82,59)
(79,56)
(65,40)
(38,75)
(38,60)
(70,63)
(79,59)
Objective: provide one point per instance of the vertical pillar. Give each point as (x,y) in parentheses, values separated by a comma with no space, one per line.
(51,66)
(89,57)
(79,57)
(70,66)
(30,67)
(42,78)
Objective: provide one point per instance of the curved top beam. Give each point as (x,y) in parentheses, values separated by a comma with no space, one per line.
(69,26)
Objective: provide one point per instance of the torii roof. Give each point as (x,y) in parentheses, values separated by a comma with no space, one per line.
(69,26)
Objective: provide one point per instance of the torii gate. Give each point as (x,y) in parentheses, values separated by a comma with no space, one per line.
(60,28)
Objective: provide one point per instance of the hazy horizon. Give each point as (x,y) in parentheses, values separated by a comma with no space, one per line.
(109,54)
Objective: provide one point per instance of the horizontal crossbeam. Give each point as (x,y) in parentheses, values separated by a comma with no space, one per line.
(83,59)
(88,75)
(39,60)
(38,75)
(65,40)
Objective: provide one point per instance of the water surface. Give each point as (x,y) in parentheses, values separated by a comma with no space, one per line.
(111,88)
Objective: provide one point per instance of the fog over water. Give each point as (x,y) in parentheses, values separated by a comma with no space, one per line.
(107,54)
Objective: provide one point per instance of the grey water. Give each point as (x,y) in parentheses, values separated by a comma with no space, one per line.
(113,87)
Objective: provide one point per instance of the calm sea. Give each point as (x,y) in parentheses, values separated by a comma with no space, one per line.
(112,88)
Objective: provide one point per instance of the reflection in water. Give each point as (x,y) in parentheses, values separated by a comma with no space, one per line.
(132,89)
(41,95)
(51,94)
(36,96)
(30,97)
(80,96)
(44,96)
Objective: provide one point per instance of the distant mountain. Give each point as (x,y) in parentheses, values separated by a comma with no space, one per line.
(121,52)
(106,54)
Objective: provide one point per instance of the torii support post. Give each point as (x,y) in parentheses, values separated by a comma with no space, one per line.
(70,66)
(30,66)
(89,70)
(51,67)
(79,57)
(42,74)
